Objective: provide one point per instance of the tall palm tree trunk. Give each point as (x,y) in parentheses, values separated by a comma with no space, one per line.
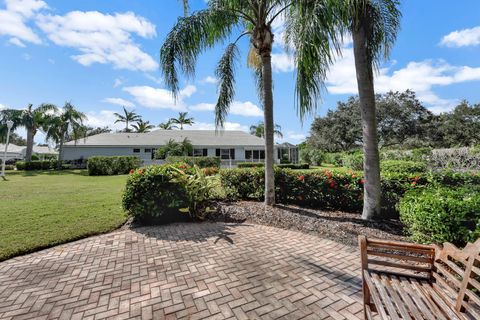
(60,151)
(371,162)
(29,151)
(269,127)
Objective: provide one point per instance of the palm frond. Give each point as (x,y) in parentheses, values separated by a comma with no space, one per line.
(190,36)
(225,74)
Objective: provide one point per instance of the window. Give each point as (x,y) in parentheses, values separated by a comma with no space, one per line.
(248,154)
(136,150)
(254,154)
(200,152)
(148,150)
(225,154)
(153,153)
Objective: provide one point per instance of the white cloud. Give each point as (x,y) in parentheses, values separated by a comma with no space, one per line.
(296,136)
(246,109)
(119,101)
(3,107)
(211,126)
(203,107)
(102,38)
(103,118)
(155,98)
(282,62)
(17,42)
(15,17)
(462,38)
(117,82)
(52,61)
(420,77)
(188,91)
(209,80)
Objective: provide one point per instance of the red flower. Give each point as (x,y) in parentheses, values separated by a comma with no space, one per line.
(301,178)
(354,176)
(332,184)
(414,183)
(362,181)
(416,178)
(132,171)
(140,171)
(327,173)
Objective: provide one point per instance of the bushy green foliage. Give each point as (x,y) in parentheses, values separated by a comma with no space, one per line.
(107,166)
(250,165)
(312,156)
(334,158)
(401,166)
(353,161)
(9,167)
(162,194)
(34,165)
(201,162)
(437,215)
(418,154)
(322,189)
(175,149)
(294,166)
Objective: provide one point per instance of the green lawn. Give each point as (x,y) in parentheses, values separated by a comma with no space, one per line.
(41,209)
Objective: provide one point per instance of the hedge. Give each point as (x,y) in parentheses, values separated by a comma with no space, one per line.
(250,165)
(402,166)
(165,193)
(295,166)
(201,162)
(34,165)
(107,166)
(439,214)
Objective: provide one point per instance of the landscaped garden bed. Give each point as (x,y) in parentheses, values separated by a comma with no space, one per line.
(338,226)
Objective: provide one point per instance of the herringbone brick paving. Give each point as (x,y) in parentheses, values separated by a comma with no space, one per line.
(186,271)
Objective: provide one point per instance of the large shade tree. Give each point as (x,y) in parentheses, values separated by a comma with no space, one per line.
(373,25)
(203,29)
(65,125)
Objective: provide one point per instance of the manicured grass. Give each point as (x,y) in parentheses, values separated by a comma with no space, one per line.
(41,209)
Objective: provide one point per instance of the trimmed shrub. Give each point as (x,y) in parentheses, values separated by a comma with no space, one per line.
(321,189)
(108,166)
(34,165)
(9,167)
(437,215)
(334,158)
(163,194)
(353,161)
(401,166)
(250,165)
(201,162)
(312,156)
(293,166)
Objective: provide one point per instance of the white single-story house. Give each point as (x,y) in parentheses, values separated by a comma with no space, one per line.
(231,146)
(15,152)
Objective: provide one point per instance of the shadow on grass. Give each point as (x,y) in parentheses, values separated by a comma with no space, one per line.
(33,173)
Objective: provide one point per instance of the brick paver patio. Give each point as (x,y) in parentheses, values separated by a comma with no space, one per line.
(186,271)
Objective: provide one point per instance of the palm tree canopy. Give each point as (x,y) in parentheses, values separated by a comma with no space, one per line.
(311,28)
(167,125)
(67,123)
(127,117)
(142,126)
(182,119)
(259,130)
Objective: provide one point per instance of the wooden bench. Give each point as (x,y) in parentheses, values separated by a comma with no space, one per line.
(412,281)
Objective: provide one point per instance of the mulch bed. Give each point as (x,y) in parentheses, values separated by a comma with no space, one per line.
(338,226)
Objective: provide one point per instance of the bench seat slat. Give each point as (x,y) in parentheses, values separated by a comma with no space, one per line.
(398,256)
(395,297)
(375,296)
(392,311)
(398,265)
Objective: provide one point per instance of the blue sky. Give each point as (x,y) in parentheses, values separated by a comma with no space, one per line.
(100,55)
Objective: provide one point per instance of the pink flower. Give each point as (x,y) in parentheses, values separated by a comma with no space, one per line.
(301,178)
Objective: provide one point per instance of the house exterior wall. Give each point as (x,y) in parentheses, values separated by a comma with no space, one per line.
(77,152)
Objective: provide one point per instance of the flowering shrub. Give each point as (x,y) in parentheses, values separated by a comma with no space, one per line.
(107,166)
(162,194)
(436,214)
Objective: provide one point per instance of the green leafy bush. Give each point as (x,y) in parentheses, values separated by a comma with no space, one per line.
(162,194)
(312,156)
(353,161)
(175,149)
(402,166)
(335,158)
(9,167)
(437,215)
(107,166)
(34,165)
(294,166)
(202,162)
(322,189)
(250,165)
(35,157)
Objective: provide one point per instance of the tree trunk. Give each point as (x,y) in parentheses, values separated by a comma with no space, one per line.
(29,151)
(268,128)
(60,152)
(366,92)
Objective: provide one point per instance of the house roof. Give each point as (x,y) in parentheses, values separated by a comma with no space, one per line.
(13,148)
(161,137)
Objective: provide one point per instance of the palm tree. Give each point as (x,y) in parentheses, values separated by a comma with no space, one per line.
(259,130)
(127,117)
(142,126)
(182,120)
(374,25)
(33,119)
(167,125)
(68,123)
(203,29)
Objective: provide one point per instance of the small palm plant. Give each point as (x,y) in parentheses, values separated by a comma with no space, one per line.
(127,117)
(182,120)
